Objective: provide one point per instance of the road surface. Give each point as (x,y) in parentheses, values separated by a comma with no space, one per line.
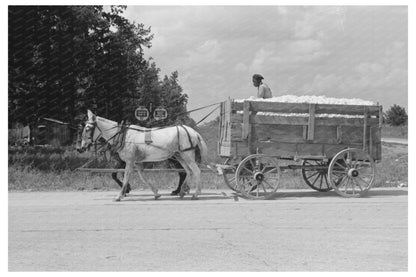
(299,230)
(402,141)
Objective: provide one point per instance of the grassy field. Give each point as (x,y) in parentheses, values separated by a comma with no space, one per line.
(48,170)
(388,131)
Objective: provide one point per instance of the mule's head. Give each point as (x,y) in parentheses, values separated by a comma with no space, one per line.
(89,135)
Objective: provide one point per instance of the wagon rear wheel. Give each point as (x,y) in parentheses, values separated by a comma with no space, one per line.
(258,176)
(314,172)
(352,172)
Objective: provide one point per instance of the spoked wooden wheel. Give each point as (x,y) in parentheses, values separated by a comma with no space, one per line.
(229,175)
(314,172)
(258,176)
(352,172)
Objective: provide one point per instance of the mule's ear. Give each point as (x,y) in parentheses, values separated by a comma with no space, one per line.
(91,116)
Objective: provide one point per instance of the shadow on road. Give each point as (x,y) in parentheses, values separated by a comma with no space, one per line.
(316,194)
(144,197)
(279,195)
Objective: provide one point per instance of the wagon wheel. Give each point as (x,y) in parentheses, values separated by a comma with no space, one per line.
(258,176)
(314,172)
(352,172)
(229,175)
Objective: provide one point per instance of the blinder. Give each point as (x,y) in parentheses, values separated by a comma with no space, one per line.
(88,135)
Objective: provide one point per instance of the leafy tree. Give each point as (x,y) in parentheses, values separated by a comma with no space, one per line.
(175,101)
(396,115)
(64,60)
(168,94)
(121,66)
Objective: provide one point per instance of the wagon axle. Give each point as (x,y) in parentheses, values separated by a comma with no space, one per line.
(353,173)
(259,176)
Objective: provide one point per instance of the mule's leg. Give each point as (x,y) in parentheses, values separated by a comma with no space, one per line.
(184,188)
(188,177)
(115,178)
(189,159)
(155,192)
(119,164)
(196,172)
(182,177)
(127,172)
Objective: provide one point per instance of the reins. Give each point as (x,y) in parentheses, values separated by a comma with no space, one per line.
(207,115)
(200,108)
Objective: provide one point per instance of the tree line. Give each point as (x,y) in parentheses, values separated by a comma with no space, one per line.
(396,116)
(64,60)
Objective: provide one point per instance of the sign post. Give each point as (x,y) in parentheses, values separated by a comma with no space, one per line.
(160,113)
(141,113)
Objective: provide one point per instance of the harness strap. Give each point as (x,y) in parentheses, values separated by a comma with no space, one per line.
(119,138)
(148,137)
(192,147)
(96,148)
(146,130)
(177,132)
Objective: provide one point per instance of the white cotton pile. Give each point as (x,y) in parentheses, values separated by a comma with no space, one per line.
(311,99)
(307,115)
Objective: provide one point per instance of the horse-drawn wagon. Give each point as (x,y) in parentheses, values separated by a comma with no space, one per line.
(337,144)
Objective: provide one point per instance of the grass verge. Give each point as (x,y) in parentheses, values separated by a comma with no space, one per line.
(27,176)
(388,131)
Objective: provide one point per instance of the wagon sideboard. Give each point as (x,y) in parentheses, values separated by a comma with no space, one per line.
(297,130)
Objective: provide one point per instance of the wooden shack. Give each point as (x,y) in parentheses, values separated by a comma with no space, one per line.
(53,132)
(19,135)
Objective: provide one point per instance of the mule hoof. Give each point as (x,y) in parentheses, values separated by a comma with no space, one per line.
(181,195)
(157,196)
(186,189)
(194,197)
(117,199)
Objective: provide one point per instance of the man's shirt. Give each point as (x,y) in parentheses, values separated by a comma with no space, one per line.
(264,91)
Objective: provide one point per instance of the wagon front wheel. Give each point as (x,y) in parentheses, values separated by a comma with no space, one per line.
(352,172)
(314,173)
(229,175)
(258,176)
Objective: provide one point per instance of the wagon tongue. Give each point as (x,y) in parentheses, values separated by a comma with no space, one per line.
(219,168)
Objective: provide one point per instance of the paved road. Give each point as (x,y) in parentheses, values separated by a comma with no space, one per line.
(395,140)
(298,231)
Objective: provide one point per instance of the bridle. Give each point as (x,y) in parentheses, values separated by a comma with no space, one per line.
(99,142)
(88,134)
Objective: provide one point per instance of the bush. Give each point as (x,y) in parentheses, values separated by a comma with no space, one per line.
(396,116)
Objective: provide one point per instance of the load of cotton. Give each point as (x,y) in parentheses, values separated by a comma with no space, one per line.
(310,99)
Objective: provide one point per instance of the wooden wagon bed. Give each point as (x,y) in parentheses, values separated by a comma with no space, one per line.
(297,130)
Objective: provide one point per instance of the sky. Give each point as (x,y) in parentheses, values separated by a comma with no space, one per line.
(336,51)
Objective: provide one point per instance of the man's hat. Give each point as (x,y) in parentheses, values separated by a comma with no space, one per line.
(258,77)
